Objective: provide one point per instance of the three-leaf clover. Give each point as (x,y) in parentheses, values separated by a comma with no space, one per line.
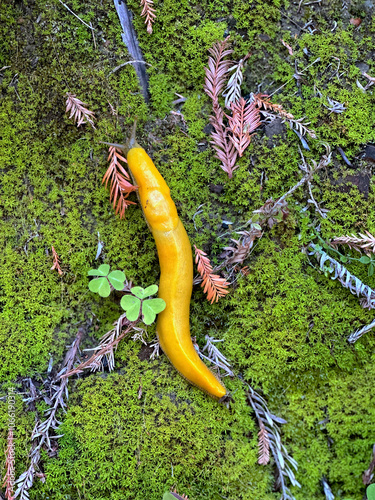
(367,260)
(171,495)
(370,492)
(102,284)
(132,304)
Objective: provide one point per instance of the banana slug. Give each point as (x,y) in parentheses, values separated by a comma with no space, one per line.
(176,270)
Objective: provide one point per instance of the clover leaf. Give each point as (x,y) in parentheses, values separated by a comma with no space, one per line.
(102,271)
(131,306)
(169,495)
(370,492)
(143,293)
(101,284)
(117,279)
(150,308)
(364,259)
(370,269)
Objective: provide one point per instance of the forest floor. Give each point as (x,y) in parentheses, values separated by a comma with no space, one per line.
(141,429)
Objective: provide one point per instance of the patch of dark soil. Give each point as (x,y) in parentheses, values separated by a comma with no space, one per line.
(275,131)
(369,153)
(361,180)
(216,188)
(145,352)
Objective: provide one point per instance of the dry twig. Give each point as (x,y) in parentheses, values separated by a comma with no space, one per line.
(74,14)
(118,178)
(348,280)
(42,431)
(327,489)
(213,285)
(272,212)
(268,215)
(263,102)
(371,80)
(78,111)
(263,445)
(368,475)
(284,462)
(353,337)
(215,356)
(108,343)
(290,50)
(243,246)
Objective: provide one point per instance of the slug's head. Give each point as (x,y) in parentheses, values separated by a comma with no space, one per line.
(130,143)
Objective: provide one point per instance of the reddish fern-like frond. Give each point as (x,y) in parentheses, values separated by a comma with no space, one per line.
(263,445)
(56,262)
(213,285)
(9,467)
(244,120)
(149,13)
(216,75)
(218,66)
(263,101)
(118,179)
(365,242)
(78,110)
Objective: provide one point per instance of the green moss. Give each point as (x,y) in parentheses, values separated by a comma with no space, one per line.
(171,436)
(161,94)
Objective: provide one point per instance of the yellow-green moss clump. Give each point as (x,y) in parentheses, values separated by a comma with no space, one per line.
(285,324)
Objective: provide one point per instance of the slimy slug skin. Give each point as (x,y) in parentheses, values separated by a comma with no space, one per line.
(176,272)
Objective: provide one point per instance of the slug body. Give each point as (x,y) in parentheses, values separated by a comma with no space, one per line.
(176,272)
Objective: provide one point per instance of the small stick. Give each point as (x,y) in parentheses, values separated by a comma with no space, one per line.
(353,337)
(368,474)
(124,64)
(93,36)
(99,354)
(70,10)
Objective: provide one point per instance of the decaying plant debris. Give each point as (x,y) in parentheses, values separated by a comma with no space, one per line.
(44,433)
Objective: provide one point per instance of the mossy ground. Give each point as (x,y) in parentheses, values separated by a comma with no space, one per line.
(285,324)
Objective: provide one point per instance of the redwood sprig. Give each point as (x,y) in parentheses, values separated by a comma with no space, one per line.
(56,262)
(216,75)
(365,242)
(232,92)
(262,101)
(213,285)
(9,468)
(263,445)
(244,120)
(44,433)
(149,13)
(118,179)
(108,344)
(78,110)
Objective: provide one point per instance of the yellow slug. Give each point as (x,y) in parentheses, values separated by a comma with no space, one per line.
(176,271)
